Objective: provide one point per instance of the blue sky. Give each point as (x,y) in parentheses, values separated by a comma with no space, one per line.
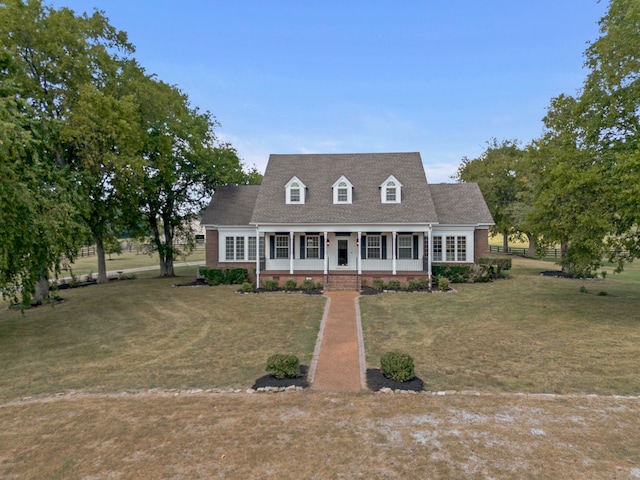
(437,77)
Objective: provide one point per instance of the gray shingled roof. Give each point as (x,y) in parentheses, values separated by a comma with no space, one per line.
(231,205)
(365,171)
(460,203)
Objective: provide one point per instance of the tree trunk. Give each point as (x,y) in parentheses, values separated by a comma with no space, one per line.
(505,241)
(167,269)
(42,291)
(533,246)
(102,264)
(564,250)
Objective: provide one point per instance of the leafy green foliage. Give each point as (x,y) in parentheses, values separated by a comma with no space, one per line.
(290,285)
(307,286)
(271,285)
(443,284)
(397,366)
(393,285)
(283,366)
(377,283)
(247,287)
(227,276)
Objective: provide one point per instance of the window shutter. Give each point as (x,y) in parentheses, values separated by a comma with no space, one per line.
(322,247)
(363,247)
(272,247)
(302,249)
(384,247)
(415,247)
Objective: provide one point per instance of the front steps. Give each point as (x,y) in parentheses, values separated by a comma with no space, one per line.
(342,283)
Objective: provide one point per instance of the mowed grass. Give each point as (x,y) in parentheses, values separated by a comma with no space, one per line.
(146,333)
(525,334)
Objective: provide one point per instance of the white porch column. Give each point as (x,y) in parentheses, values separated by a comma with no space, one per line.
(326,253)
(359,247)
(257,257)
(429,252)
(394,234)
(291,248)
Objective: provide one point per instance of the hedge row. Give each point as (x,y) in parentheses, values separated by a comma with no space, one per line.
(228,276)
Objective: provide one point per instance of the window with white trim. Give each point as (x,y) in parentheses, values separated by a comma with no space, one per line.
(251,248)
(391,190)
(234,249)
(295,191)
(342,190)
(450,248)
(437,249)
(374,246)
(312,246)
(405,247)
(343,196)
(461,253)
(282,246)
(391,193)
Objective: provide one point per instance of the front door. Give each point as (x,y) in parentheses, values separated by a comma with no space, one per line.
(343,253)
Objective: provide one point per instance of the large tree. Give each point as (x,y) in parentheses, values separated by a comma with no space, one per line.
(55,55)
(498,173)
(182,164)
(589,154)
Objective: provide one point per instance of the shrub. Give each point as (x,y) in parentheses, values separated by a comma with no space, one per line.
(228,276)
(247,287)
(443,283)
(393,285)
(377,283)
(271,285)
(319,285)
(307,285)
(397,366)
(283,366)
(503,264)
(290,285)
(421,283)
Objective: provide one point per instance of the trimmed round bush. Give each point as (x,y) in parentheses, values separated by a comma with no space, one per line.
(283,366)
(397,366)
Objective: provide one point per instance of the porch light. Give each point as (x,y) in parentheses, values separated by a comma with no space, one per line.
(357,243)
(328,242)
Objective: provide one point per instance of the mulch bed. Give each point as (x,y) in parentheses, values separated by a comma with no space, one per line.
(561,274)
(271,381)
(376,381)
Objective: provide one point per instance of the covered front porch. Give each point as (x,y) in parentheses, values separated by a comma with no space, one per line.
(320,255)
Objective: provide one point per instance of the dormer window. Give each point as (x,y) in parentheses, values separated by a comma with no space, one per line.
(342,190)
(295,191)
(390,190)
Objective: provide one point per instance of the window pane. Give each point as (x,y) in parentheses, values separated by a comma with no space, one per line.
(391,194)
(373,246)
(405,247)
(282,246)
(462,249)
(313,246)
(229,250)
(295,195)
(437,249)
(451,249)
(251,243)
(239,248)
(343,196)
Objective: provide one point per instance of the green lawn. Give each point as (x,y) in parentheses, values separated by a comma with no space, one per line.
(526,334)
(146,333)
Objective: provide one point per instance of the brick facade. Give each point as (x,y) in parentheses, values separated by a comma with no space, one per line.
(481,243)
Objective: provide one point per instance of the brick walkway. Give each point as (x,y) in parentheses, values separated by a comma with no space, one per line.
(338,364)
